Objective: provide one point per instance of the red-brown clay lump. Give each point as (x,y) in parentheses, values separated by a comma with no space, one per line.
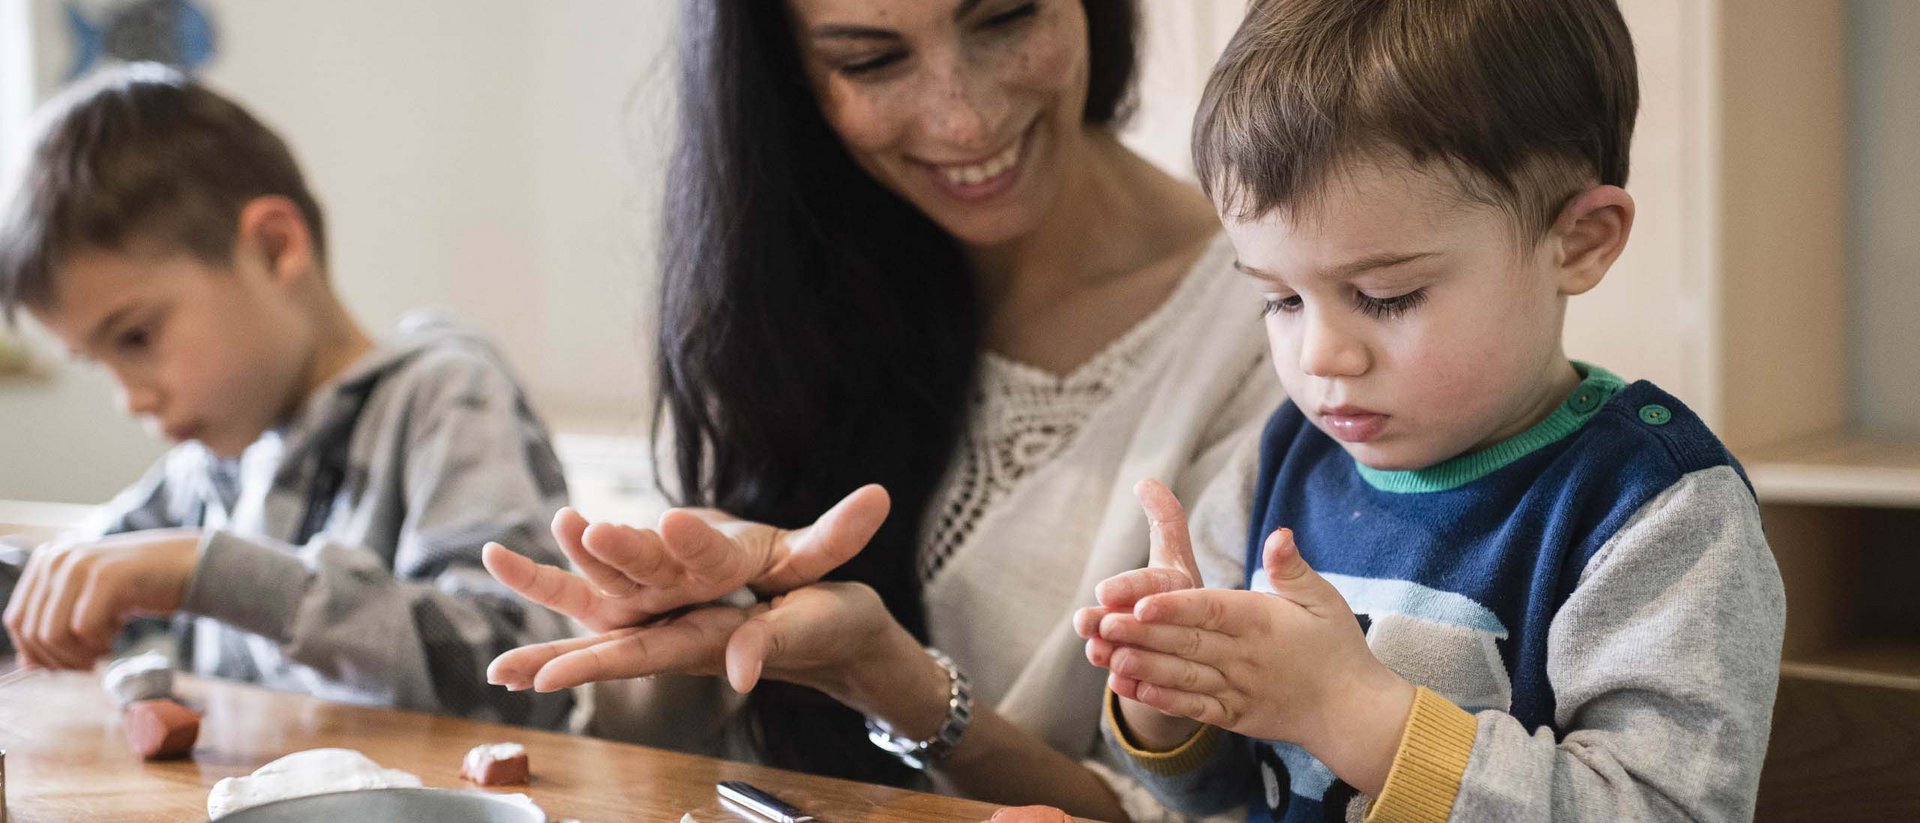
(496,764)
(161,729)
(1030,814)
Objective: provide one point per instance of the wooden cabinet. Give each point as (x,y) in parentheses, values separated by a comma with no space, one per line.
(1749,290)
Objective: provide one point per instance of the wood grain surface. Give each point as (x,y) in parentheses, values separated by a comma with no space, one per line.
(67,759)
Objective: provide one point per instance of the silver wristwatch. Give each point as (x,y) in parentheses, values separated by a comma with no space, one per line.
(925,754)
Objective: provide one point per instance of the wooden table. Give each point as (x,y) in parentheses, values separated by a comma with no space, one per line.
(67,759)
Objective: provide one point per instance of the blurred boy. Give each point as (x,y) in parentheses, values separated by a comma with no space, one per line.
(318,526)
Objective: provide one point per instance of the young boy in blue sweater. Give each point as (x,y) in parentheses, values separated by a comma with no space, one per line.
(1487,582)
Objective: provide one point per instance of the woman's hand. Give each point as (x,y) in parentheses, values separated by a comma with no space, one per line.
(820,636)
(628,575)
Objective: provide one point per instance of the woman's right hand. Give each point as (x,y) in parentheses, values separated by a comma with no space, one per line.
(825,636)
(629,575)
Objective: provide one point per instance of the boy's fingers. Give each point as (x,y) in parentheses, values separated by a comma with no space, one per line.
(1166,670)
(22,592)
(1204,708)
(1169,544)
(1086,621)
(55,624)
(1099,651)
(806,555)
(1184,642)
(97,617)
(29,597)
(1216,610)
(626,559)
(1123,590)
(1291,577)
(1122,685)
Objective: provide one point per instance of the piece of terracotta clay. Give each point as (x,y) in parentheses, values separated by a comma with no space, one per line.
(496,764)
(1030,814)
(161,729)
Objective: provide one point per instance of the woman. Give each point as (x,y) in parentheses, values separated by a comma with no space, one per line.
(904,247)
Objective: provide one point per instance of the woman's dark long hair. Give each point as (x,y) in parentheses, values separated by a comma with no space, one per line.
(817,332)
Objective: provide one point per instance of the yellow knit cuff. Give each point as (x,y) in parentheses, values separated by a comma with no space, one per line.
(1186,757)
(1427,768)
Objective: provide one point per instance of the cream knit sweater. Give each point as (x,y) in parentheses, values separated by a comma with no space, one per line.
(1039,507)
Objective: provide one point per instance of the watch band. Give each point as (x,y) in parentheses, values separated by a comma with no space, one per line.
(925,754)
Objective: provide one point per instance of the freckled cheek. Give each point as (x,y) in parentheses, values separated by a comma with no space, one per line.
(1048,64)
(869,123)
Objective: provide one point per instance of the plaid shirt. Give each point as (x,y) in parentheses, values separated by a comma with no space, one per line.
(341,551)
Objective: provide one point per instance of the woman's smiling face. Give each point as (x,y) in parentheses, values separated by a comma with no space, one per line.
(971,110)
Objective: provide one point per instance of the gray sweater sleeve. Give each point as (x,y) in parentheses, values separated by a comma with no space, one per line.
(1663,663)
(419,635)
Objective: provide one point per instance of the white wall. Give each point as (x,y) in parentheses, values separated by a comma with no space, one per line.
(1180,41)
(1641,320)
(495,159)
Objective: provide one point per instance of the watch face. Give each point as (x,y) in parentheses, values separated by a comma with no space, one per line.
(909,751)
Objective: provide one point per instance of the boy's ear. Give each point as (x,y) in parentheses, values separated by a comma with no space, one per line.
(273,230)
(1589,235)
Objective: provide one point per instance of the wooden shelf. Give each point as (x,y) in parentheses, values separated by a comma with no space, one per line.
(1845,469)
(1886,664)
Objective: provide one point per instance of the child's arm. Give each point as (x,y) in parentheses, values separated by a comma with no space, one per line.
(418,634)
(1664,663)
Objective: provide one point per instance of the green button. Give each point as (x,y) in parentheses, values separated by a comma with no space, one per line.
(1654,414)
(1584,401)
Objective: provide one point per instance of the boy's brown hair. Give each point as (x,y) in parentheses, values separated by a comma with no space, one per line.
(1526,102)
(138,154)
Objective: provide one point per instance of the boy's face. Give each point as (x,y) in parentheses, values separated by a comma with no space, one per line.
(198,352)
(1404,320)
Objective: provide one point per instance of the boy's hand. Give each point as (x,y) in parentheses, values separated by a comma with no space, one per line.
(73,598)
(628,574)
(1170,567)
(1291,667)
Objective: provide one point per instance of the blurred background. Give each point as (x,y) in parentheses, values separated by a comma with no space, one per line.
(501,161)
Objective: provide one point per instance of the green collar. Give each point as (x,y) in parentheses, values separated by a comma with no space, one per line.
(1596,386)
